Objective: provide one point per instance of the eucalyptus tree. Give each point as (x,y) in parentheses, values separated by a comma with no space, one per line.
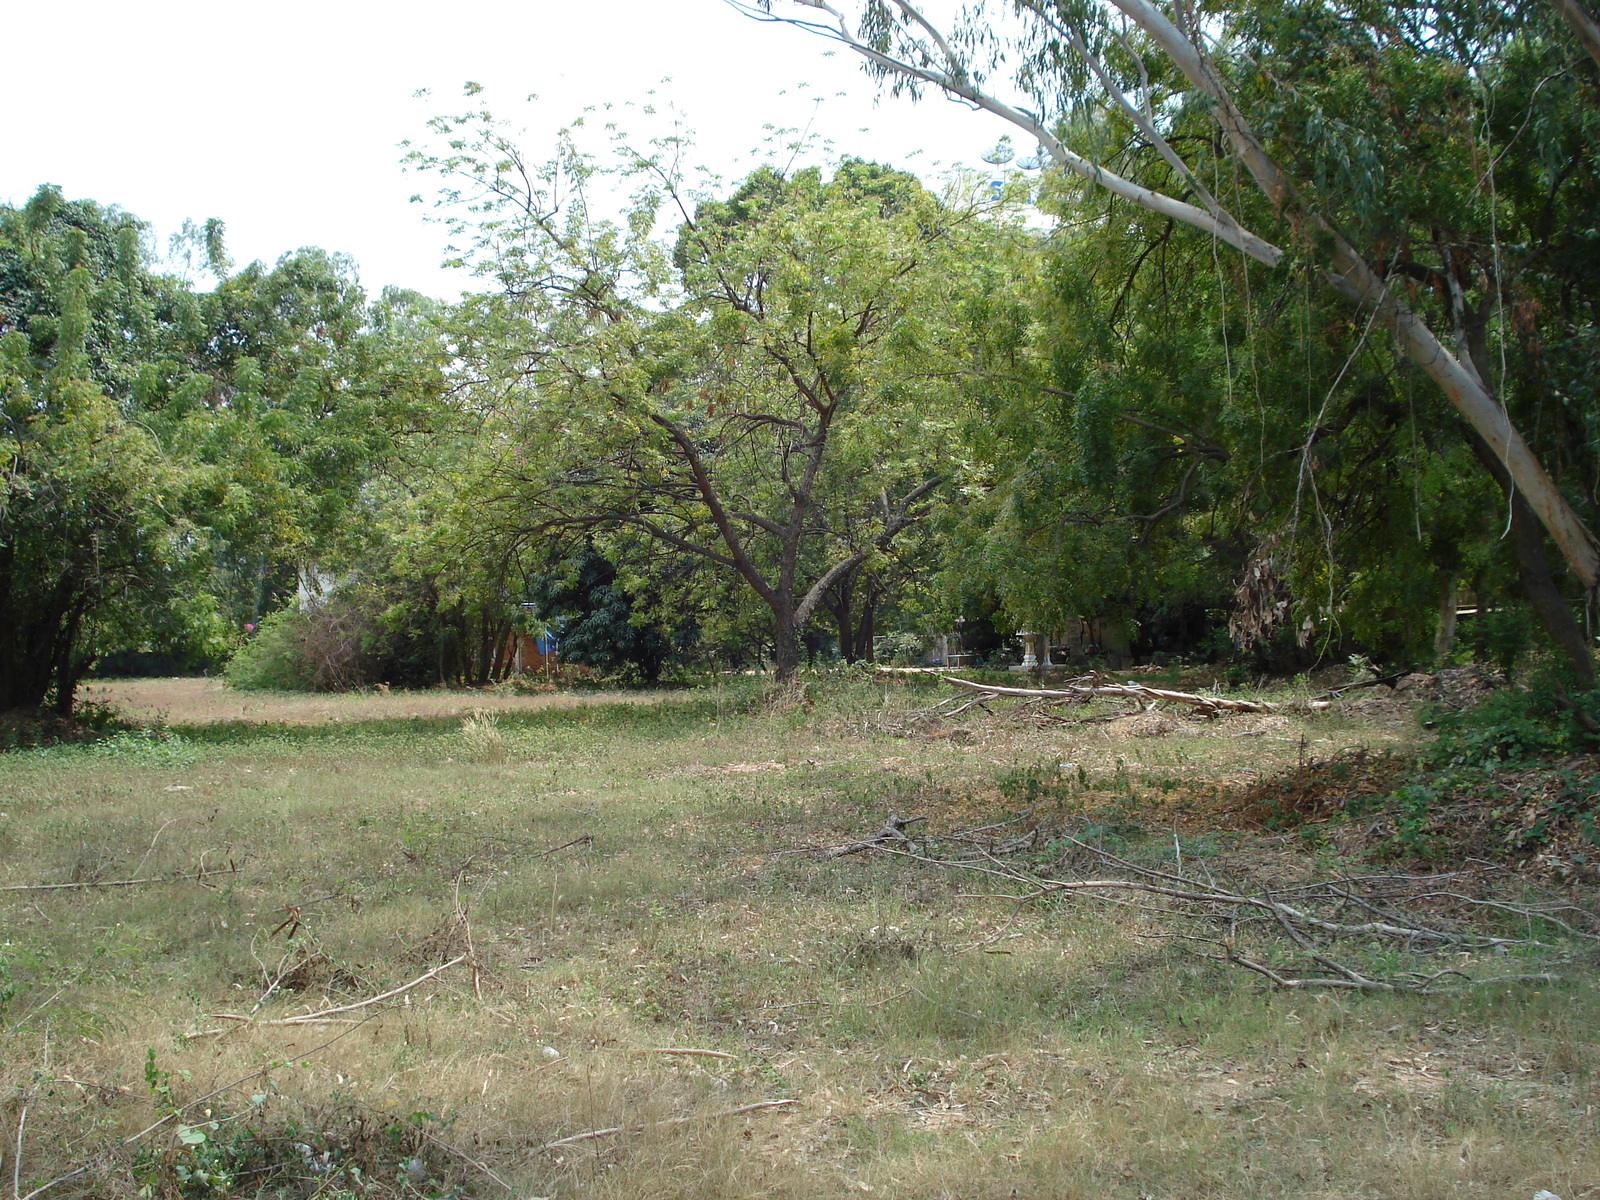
(1153,433)
(782,368)
(1429,163)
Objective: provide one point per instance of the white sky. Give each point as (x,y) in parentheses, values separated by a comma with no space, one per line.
(284,119)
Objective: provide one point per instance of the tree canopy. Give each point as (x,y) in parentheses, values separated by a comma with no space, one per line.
(1290,345)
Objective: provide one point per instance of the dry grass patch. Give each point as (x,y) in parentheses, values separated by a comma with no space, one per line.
(656,949)
(190,701)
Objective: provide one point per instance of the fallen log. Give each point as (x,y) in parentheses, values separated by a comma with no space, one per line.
(1132,691)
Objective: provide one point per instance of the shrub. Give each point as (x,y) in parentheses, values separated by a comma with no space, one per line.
(903,649)
(271,660)
(1502,637)
(1514,725)
(315,650)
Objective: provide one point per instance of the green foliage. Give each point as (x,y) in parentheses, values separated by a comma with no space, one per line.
(582,598)
(903,649)
(1502,637)
(745,417)
(1517,725)
(1160,419)
(172,458)
(271,660)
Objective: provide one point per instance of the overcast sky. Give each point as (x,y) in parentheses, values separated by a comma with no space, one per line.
(285,119)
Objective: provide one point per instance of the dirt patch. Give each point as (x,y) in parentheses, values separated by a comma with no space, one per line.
(1318,789)
(1147,725)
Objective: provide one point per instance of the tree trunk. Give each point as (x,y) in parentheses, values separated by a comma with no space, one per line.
(67,667)
(1538,581)
(785,645)
(843,610)
(1582,24)
(865,630)
(1445,636)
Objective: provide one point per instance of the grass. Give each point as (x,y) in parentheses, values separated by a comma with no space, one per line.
(1069,1056)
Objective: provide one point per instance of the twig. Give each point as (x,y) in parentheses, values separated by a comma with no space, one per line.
(204,873)
(466,927)
(586,840)
(152,848)
(759,1106)
(16,1159)
(684,1051)
(894,829)
(466,1158)
(839,1003)
(1319,915)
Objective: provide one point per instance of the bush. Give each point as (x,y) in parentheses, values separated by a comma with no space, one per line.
(316,650)
(485,743)
(903,649)
(270,661)
(1502,637)
(1515,725)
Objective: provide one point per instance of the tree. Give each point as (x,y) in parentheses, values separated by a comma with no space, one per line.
(169,456)
(1153,430)
(94,543)
(1320,107)
(595,617)
(780,372)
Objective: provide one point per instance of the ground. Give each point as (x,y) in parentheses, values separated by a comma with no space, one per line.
(653,938)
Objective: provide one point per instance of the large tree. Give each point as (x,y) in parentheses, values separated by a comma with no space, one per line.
(1388,150)
(169,456)
(767,394)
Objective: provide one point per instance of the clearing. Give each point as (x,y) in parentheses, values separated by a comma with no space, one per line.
(660,979)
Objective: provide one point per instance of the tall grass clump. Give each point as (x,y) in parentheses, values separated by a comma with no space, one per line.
(485,743)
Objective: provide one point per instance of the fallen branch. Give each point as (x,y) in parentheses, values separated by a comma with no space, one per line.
(457,1152)
(326,1015)
(1389,680)
(1132,691)
(585,840)
(1290,936)
(203,873)
(684,1052)
(759,1106)
(894,830)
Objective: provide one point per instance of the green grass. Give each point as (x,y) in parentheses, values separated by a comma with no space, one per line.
(1072,1055)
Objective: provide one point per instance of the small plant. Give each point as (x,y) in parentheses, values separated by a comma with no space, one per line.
(8,986)
(902,649)
(485,743)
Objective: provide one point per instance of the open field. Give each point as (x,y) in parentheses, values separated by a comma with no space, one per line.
(653,938)
(209,701)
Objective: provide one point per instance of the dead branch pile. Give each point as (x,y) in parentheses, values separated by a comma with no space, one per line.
(1390,932)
